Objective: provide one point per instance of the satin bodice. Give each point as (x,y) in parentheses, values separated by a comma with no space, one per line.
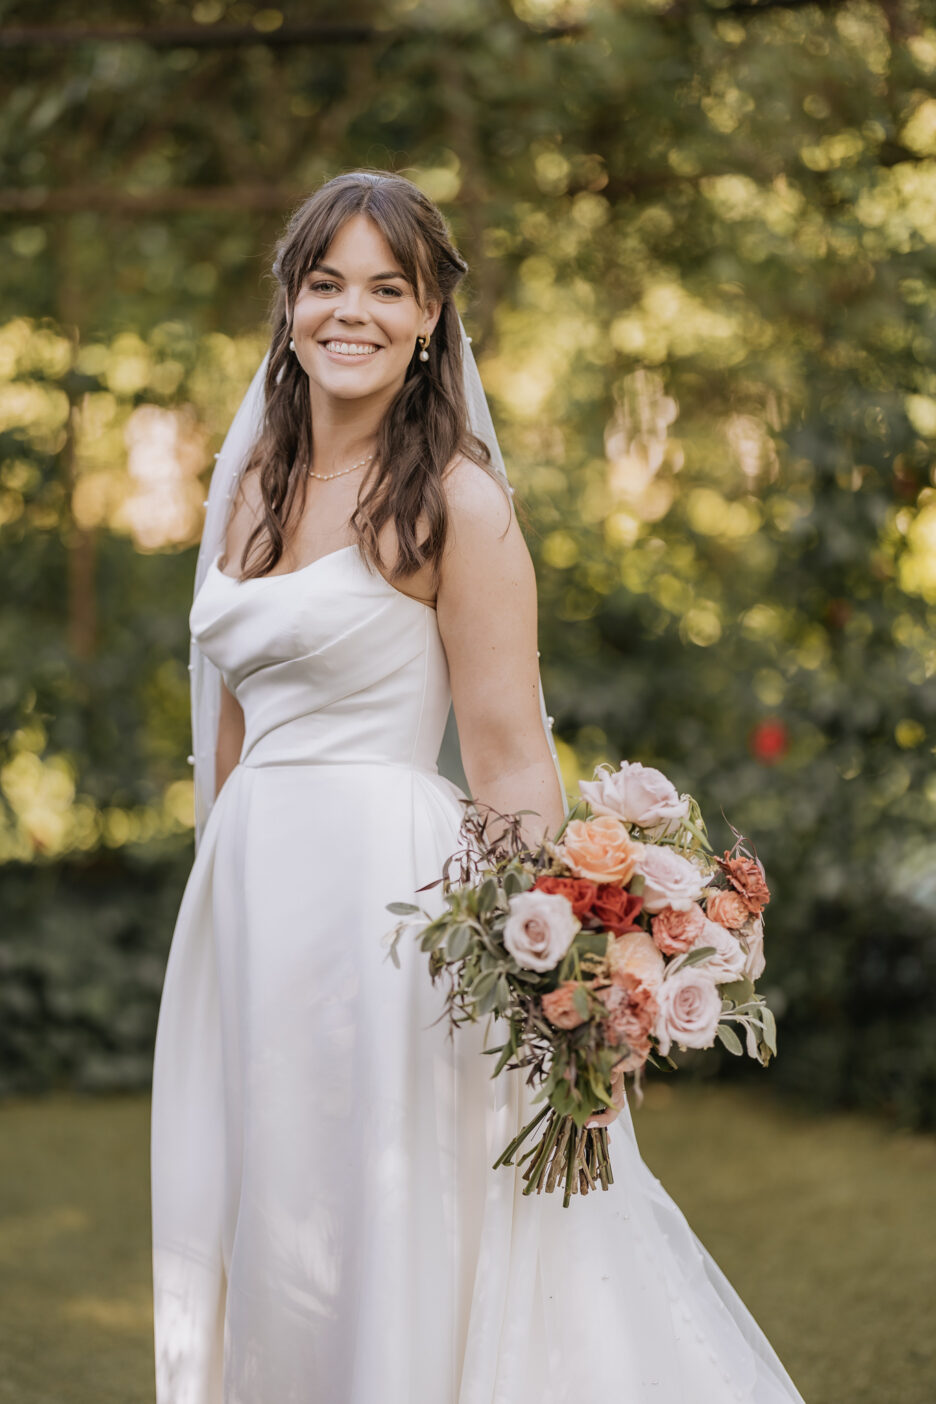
(329,663)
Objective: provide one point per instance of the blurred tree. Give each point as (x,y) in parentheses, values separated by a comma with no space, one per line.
(702,296)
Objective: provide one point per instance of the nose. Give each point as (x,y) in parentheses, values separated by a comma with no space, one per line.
(350,308)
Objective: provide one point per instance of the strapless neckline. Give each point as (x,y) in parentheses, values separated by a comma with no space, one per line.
(303,570)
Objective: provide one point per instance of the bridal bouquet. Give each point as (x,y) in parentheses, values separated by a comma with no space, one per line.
(616,939)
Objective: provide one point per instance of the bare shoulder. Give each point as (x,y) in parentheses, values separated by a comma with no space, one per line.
(479,506)
(246,512)
(485,551)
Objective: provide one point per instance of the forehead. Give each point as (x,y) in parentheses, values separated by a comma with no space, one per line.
(359,244)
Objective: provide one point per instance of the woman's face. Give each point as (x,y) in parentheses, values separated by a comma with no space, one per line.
(358,295)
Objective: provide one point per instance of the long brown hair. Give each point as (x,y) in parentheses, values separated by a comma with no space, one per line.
(424,427)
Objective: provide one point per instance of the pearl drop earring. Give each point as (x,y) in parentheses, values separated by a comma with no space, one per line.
(424,354)
(292,344)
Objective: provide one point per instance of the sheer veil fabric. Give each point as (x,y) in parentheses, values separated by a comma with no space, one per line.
(231,461)
(328,1227)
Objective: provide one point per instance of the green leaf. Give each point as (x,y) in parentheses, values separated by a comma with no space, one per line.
(580,1000)
(591,943)
(729,1038)
(458,941)
(739,991)
(770,1029)
(487,896)
(694,956)
(501,994)
(485,981)
(401,908)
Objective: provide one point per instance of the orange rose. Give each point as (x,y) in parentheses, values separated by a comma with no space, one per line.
(600,849)
(559,1006)
(728,908)
(675,931)
(579,892)
(747,878)
(616,909)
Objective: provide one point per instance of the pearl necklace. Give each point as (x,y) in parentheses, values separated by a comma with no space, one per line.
(342,470)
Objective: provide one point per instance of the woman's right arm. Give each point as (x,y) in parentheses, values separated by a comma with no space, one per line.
(230,737)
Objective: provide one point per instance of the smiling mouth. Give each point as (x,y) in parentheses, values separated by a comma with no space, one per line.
(331,348)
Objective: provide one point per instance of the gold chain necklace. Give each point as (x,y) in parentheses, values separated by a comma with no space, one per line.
(342,470)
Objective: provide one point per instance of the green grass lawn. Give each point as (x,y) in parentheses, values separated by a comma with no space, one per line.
(825,1225)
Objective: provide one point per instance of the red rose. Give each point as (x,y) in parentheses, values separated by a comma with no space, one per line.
(616,909)
(580,892)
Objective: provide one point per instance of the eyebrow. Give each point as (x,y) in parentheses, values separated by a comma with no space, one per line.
(376,277)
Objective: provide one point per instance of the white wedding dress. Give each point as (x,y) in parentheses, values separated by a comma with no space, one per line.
(327,1225)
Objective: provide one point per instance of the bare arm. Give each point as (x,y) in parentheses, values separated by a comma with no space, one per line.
(487,619)
(230,737)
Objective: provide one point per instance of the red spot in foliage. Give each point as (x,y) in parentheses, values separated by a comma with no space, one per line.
(769,740)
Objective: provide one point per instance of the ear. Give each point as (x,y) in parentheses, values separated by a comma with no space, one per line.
(433,313)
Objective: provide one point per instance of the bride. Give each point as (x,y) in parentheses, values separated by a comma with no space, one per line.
(327,1224)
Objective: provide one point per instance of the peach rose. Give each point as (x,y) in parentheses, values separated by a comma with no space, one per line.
(746,876)
(635,954)
(632,1013)
(674,932)
(689,1009)
(559,1006)
(639,795)
(539,929)
(670,880)
(727,962)
(727,907)
(600,849)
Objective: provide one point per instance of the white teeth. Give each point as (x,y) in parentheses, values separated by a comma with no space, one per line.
(351,348)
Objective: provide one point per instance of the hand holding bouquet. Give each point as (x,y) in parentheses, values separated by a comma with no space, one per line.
(619,937)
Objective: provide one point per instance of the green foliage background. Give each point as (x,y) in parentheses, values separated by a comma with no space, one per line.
(702,299)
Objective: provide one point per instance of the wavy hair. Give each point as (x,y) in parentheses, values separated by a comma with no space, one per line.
(426,425)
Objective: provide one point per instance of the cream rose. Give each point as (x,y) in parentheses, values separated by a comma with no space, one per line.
(727,962)
(639,795)
(752,934)
(600,849)
(636,954)
(539,929)
(689,1009)
(669,879)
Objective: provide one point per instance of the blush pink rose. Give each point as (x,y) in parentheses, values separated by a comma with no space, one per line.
(539,929)
(726,964)
(673,931)
(559,1006)
(635,954)
(727,907)
(600,849)
(689,1009)
(639,795)
(670,880)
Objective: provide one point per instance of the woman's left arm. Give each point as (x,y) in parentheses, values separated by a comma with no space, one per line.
(487,615)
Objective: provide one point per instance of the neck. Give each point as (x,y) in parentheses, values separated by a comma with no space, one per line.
(345,430)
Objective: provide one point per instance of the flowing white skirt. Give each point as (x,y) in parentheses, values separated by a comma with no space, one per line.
(327,1224)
